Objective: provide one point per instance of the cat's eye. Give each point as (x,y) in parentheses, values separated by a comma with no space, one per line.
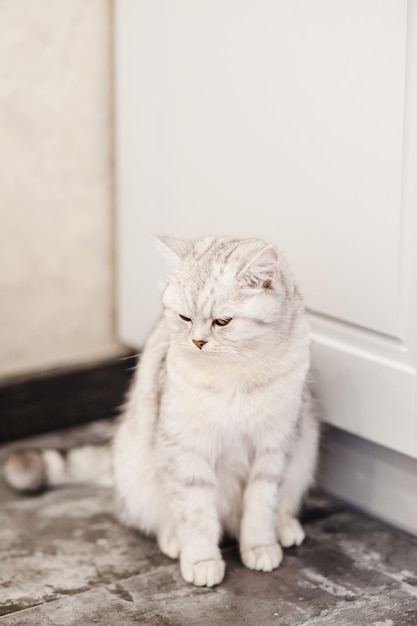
(222,322)
(186,319)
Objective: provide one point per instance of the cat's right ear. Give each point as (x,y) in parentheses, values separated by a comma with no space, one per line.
(174,250)
(261,269)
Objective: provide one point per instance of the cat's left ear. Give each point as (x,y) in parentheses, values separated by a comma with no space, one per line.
(262,269)
(175,250)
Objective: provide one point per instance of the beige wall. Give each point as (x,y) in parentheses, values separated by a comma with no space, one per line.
(56,185)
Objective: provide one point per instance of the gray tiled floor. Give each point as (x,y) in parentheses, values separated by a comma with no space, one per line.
(66,561)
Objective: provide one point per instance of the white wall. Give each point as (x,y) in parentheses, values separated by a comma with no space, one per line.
(56,191)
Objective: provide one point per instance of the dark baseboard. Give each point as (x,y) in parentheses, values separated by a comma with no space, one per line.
(61,399)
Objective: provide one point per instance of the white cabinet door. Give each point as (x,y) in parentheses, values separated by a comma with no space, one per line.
(294,121)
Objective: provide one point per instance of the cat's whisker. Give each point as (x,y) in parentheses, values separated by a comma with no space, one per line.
(129,357)
(157,348)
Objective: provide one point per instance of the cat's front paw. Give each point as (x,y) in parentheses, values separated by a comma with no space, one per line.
(262,558)
(290,532)
(203,573)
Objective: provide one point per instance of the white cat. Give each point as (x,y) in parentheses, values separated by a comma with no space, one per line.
(219,432)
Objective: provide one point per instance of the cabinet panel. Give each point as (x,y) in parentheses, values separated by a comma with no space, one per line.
(282,119)
(354,385)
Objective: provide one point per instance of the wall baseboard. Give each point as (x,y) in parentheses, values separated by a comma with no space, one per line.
(63,398)
(373,479)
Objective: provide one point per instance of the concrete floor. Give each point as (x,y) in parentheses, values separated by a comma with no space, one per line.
(66,561)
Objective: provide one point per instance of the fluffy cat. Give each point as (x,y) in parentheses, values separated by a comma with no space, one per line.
(219,432)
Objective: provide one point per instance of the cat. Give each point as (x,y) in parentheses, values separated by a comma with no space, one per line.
(219,433)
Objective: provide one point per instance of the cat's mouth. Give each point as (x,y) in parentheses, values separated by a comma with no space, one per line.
(204,350)
(198,348)
(207,351)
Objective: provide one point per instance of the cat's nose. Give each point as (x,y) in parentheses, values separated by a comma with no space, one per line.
(199,344)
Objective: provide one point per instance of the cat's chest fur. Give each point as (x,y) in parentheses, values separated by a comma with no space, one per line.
(252,404)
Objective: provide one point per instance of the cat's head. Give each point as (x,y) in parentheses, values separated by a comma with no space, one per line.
(224,295)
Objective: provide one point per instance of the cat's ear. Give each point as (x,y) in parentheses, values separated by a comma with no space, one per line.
(174,250)
(261,269)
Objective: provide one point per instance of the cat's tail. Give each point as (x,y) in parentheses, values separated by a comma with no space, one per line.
(32,470)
